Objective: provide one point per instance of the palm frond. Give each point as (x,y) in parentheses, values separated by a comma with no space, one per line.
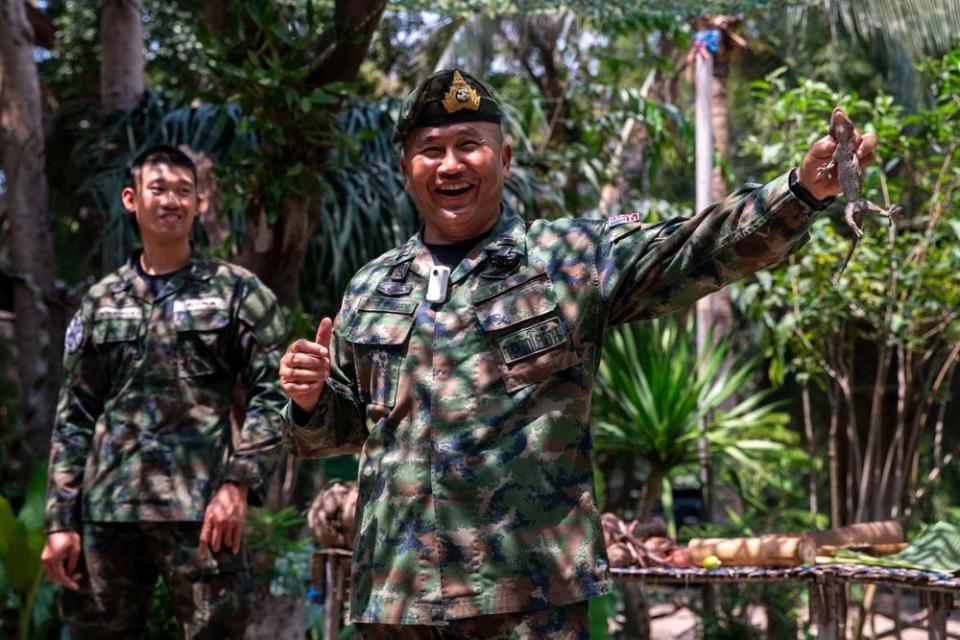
(654,390)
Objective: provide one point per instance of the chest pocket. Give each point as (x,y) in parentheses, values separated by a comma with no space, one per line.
(116,339)
(378,336)
(201,325)
(529,338)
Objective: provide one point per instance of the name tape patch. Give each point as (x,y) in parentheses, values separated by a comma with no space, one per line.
(532,340)
(198,304)
(118,313)
(623,218)
(390,305)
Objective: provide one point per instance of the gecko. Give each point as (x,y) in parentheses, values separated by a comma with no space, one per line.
(850,176)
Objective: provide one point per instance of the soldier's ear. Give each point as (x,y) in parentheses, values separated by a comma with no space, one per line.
(129,199)
(405,170)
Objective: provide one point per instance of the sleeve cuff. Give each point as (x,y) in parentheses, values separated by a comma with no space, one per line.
(800,193)
(300,417)
(61,518)
(245,471)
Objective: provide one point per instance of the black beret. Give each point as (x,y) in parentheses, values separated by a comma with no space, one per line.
(446,97)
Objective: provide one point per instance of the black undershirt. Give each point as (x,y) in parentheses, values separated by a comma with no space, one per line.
(450,255)
(154,282)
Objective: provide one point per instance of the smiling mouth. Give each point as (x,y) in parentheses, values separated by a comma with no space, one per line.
(454,191)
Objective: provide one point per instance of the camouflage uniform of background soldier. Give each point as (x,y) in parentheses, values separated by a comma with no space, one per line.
(142,463)
(476,513)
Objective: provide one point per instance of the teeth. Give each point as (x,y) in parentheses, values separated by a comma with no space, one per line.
(453,187)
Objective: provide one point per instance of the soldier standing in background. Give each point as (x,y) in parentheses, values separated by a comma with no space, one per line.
(461,366)
(144,476)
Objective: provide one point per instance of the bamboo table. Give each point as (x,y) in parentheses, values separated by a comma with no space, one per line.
(826,583)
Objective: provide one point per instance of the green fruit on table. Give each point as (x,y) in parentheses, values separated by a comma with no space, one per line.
(711,562)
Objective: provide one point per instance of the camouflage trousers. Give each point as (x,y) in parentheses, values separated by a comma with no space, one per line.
(212,598)
(568,622)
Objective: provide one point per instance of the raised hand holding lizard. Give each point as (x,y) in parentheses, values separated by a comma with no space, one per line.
(816,173)
(849,155)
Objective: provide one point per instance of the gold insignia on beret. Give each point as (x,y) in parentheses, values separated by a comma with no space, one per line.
(460,95)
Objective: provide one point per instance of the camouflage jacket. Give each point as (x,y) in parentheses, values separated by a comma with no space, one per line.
(472,415)
(143,426)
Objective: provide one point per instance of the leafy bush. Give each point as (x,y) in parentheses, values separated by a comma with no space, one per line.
(654,390)
(22,583)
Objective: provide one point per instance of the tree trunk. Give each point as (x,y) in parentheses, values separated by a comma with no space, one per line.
(121,61)
(215,14)
(720,307)
(651,491)
(38,325)
(275,252)
(636,610)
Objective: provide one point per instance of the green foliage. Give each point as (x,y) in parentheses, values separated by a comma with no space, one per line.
(654,390)
(273,530)
(21,573)
(161,621)
(266,62)
(798,303)
(281,558)
(894,309)
(173,54)
(600,9)
(601,610)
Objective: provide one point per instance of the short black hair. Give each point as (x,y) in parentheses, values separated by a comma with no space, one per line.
(160,153)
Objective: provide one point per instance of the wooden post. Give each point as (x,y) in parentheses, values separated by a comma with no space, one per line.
(332,604)
(828,607)
(703,131)
(938,610)
(704,196)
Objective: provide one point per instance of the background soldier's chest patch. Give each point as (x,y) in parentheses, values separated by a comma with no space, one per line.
(199,304)
(118,313)
(74,336)
(532,340)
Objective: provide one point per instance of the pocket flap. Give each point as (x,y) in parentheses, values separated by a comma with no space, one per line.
(201,320)
(531,272)
(387,305)
(378,327)
(529,296)
(115,331)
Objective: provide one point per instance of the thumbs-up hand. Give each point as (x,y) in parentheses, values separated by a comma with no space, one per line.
(305,368)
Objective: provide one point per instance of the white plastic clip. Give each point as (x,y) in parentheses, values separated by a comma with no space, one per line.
(437,287)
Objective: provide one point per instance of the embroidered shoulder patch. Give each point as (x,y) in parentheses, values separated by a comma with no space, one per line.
(623,218)
(74,336)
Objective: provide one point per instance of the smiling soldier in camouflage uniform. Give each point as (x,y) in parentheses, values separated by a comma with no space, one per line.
(477,517)
(144,477)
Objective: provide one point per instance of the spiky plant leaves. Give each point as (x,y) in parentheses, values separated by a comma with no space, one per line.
(654,390)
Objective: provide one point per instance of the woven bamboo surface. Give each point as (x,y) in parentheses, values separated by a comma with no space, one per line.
(910,578)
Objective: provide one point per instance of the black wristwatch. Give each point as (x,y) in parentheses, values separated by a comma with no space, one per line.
(800,193)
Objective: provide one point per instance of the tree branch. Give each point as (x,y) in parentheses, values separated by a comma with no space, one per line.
(355,21)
